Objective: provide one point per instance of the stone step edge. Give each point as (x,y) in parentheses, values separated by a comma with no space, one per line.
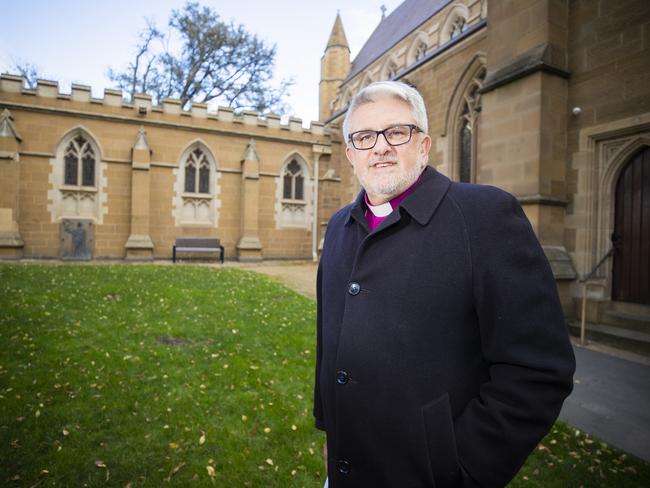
(615,331)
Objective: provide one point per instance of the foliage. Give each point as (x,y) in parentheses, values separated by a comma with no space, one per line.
(135,376)
(218,61)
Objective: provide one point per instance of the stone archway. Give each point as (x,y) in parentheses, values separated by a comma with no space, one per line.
(631,271)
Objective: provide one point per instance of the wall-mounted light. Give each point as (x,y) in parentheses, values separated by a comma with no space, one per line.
(576,110)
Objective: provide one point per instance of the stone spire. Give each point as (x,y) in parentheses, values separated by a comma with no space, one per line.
(250,153)
(334,68)
(337,36)
(141,140)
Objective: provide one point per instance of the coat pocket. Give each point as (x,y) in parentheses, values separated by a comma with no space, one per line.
(441,442)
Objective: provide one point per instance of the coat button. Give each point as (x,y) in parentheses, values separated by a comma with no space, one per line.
(354,288)
(342,377)
(343,466)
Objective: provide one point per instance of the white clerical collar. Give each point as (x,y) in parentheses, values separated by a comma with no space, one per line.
(380,210)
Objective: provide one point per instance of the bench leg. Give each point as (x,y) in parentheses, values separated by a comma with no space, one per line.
(174,254)
(222,256)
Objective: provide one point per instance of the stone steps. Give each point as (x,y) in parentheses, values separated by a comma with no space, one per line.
(630,337)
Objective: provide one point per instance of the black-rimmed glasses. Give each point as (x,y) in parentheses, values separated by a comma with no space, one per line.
(395,135)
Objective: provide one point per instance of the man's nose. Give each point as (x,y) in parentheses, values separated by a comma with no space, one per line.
(382,146)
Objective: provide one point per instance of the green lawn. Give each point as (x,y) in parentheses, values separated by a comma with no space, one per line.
(118,375)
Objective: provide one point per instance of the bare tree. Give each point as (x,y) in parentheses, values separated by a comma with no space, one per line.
(137,76)
(29,71)
(217,61)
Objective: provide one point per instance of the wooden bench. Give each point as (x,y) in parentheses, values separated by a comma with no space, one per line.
(197,244)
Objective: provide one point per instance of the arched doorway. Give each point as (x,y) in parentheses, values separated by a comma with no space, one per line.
(631,276)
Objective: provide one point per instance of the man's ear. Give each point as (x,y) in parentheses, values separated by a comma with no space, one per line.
(425,144)
(349,153)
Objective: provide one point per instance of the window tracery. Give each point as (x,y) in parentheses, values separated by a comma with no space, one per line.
(468,127)
(458,27)
(420,51)
(79,163)
(196,201)
(197,172)
(294,187)
(293,182)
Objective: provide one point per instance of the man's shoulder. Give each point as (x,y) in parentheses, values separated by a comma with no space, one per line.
(340,217)
(480,198)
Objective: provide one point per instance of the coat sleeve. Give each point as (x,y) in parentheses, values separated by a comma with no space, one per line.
(318,404)
(524,341)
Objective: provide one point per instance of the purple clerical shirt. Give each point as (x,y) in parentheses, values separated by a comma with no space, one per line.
(373,220)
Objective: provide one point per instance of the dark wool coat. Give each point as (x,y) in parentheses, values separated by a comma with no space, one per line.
(442,352)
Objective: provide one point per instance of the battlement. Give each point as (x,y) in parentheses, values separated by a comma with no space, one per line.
(141,105)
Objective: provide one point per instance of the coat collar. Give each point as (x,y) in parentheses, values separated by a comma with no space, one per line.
(421,203)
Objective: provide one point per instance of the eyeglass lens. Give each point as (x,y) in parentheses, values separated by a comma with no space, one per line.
(396,135)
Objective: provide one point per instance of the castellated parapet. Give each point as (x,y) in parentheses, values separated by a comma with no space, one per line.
(141,106)
(131,176)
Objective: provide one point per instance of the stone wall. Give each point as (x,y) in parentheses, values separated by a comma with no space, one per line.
(130,177)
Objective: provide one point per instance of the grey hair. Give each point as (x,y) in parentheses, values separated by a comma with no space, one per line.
(388,89)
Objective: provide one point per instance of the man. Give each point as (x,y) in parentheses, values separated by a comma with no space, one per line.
(442,353)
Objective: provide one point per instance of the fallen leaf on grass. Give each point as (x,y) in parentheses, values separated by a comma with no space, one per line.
(202,439)
(100,464)
(211,472)
(177,468)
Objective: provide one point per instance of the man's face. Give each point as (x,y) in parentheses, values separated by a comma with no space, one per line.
(385,171)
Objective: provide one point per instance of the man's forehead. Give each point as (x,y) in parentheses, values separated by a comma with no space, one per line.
(400,112)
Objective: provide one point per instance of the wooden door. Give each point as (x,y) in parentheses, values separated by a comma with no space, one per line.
(631,277)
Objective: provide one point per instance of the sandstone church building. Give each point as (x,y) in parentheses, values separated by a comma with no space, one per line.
(547,99)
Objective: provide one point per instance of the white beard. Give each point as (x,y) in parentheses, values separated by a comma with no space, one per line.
(393,186)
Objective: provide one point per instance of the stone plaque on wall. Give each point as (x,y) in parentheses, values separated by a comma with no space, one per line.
(77,239)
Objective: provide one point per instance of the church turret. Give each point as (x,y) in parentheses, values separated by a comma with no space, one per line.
(334,67)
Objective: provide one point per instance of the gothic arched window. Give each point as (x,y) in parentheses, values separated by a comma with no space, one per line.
(468,128)
(197,172)
(420,51)
(79,163)
(458,27)
(293,181)
(77,166)
(391,71)
(197,187)
(293,194)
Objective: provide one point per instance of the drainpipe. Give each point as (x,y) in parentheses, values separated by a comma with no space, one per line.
(317,150)
(314,231)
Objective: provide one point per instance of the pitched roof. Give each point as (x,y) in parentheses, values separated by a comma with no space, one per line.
(392,29)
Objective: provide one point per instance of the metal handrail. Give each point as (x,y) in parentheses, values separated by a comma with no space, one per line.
(583,280)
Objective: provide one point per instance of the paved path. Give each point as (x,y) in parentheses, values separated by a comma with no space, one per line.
(300,277)
(611,395)
(611,400)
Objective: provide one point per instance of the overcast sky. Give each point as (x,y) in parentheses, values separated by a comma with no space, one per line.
(75,41)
